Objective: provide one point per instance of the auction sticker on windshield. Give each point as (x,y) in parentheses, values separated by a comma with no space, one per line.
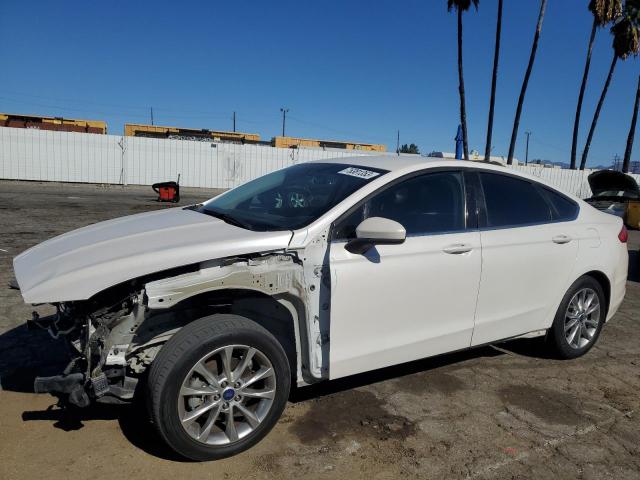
(359,172)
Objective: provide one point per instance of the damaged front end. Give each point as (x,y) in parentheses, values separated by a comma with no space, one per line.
(97,371)
(115,335)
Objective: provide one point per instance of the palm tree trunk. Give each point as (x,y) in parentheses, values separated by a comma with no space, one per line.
(525,82)
(627,153)
(463,111)
(587,145)
(494,78)
(576,123)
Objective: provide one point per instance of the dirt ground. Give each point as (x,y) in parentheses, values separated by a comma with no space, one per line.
(495,412)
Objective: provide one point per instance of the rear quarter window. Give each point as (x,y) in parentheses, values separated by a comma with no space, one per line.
(563,209)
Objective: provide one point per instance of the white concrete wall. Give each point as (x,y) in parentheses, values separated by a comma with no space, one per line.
(27,154)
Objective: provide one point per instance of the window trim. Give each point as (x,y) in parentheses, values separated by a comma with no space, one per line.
(539,187)
(410,176)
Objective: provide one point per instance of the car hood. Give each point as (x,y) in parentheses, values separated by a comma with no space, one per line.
(83,262)
(610,180)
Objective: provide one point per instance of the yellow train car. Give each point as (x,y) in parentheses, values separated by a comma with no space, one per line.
(156,131)
(52,123)
(294,142)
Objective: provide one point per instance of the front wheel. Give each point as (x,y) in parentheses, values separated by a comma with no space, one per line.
(218,387)
(579,319)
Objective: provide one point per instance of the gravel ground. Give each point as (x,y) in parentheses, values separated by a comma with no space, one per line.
(495,412)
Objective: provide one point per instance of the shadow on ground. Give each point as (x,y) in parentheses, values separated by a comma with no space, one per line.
(25,354)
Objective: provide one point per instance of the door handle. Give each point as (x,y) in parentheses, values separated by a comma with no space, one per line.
(561,239)
(457,248)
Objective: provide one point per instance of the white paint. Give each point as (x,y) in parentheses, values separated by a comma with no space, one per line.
(522,269)
(398,301)
(81,263)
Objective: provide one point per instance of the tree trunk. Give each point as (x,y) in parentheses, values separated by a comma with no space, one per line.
(494,78)
(463,111)
(525,82)
(587,145)
(576,123)
(627,153)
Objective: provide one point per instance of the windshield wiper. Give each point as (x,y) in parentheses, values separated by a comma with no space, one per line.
(225,217)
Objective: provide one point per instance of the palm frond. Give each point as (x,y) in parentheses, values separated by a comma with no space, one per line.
(605,11)
(625,38)
(632,10)
(462,5)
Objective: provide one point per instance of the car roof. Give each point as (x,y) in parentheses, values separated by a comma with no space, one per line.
(393,162)
(408,163)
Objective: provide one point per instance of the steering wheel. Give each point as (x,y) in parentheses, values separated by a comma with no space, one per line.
(293,197)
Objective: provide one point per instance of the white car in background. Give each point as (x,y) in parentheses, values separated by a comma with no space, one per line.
(315,272)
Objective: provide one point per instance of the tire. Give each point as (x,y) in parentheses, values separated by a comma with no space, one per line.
(219,421)
(588,325)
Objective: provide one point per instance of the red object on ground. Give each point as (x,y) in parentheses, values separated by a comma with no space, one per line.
(167,191)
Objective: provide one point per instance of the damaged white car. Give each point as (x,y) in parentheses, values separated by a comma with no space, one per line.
(315,272)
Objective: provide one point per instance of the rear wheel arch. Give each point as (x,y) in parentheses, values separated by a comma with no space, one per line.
(604,282)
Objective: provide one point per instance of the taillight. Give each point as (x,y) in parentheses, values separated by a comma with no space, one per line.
(623,236)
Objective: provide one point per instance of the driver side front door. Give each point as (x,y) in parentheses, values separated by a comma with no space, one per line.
(398,303)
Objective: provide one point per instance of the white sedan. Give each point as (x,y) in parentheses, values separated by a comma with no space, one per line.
(315,272)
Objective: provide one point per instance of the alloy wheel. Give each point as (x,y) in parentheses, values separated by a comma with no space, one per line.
(582,318)
(226,395)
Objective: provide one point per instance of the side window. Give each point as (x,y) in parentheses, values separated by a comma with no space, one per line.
(563,208)
(512,202)
(428,204)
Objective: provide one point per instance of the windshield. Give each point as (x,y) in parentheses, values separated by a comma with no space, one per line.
(291,198)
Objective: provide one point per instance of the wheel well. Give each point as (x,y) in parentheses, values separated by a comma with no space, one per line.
(261,308)
(604,282)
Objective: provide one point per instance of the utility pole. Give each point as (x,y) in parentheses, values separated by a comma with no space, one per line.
(234,121)
(398,143)
(526,154)
(151,115)
(284,118)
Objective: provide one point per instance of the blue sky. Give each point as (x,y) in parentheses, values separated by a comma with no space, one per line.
(345,69)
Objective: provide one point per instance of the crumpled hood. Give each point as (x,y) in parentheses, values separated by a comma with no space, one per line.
(83,262)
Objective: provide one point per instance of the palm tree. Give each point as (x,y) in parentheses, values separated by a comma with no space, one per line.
(632,130)
(604,12)
(525,82)
(494,78)
(632,8)
(462,6)
(625,43)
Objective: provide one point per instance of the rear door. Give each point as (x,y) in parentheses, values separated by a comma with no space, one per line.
(529,247)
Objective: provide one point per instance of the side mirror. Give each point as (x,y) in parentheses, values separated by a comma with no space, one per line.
(376,231)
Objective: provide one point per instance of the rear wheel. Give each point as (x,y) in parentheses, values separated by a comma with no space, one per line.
(218,387)
(579,319)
